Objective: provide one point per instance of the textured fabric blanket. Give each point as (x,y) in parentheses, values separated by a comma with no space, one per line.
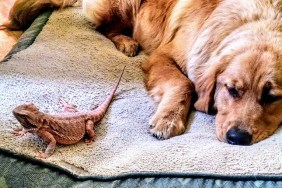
(70,60)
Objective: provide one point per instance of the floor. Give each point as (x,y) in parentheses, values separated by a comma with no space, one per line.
(7,38)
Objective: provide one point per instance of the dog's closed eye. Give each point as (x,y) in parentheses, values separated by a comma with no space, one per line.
(233,91)
(268,95)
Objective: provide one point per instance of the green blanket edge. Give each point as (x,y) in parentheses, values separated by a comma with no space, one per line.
(141,174)
(29,36)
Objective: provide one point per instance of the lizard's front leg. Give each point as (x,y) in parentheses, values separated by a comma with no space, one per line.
(89,128)
(48,137)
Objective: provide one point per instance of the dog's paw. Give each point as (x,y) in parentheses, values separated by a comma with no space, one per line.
(126,45)
(166,125)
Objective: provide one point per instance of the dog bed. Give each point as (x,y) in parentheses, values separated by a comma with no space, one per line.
(68,59)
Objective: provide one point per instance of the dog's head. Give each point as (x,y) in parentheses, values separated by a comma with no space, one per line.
(246,89)
(237,69)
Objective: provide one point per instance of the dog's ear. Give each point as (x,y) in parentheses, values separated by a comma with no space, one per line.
(206,82)
(205,90)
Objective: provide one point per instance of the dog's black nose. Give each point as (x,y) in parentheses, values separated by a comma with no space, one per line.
(237,136)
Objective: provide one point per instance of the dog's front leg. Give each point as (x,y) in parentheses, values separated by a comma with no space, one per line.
(171,90)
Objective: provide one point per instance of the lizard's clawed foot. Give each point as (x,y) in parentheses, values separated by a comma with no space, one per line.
(68,107)
(89,141)
(18,132)
(42,155)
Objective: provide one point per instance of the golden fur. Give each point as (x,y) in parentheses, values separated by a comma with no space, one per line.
(228,52)
(24,12)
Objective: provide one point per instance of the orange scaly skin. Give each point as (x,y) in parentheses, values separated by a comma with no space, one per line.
(63,128)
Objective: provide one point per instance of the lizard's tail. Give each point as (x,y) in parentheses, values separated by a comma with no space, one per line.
(102,109)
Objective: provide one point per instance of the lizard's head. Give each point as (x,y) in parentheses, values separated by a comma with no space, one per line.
(28,115)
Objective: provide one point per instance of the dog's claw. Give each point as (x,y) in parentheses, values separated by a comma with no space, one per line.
(166,125)
(158,136)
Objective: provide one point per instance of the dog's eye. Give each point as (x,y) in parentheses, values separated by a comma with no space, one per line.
(268,98)
(233,92)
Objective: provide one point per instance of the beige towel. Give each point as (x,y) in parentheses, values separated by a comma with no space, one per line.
(70,60)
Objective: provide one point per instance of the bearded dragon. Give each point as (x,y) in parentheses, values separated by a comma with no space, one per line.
(62,128)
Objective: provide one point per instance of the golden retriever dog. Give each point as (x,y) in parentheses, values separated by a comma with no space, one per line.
(226,52)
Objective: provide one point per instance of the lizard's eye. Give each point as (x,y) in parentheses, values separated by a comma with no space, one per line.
(23,115)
